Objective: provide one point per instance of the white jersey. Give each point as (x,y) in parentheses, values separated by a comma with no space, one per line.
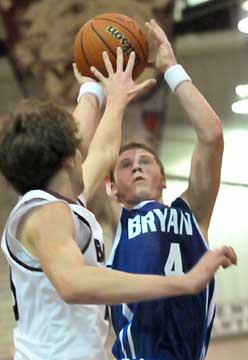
(47,328)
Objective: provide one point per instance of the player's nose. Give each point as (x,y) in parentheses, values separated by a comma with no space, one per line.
(136,167)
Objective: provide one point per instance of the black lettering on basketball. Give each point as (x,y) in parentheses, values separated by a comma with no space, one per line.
(118,36)
(112,30)
(125,43)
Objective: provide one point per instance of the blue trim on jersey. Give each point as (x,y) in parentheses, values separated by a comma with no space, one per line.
(153,239)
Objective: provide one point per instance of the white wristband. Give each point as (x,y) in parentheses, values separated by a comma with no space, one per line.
(92,88)
(175,75)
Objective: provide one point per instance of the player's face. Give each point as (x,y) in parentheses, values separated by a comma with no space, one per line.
(137,177)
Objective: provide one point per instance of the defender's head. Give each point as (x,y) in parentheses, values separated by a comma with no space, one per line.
(37,142)
(138,175)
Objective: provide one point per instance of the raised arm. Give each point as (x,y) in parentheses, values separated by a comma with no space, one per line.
(204,179)
(104,147)
(86,113)
(49,234)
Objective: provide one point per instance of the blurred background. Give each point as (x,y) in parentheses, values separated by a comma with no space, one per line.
(210,38)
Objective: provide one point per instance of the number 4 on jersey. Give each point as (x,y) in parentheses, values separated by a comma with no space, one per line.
(174,264)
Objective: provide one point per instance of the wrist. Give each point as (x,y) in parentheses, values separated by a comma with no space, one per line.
(185,284)
(168,65)
(92,88)
(116,103)
(175,75)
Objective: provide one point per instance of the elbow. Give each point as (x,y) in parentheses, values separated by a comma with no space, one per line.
(67,294)
(80,286)
(71,297)
(214,134)
(74,298)
(217,131)
(66,288)
(217,138)
(71,294)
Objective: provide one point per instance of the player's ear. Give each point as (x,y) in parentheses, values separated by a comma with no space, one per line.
(114,193)
(68,162)
(111,189)
(164,181)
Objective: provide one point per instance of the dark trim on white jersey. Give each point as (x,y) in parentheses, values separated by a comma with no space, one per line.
(18,261)
(81,203)
(59,196)
(13,290)
(86,223)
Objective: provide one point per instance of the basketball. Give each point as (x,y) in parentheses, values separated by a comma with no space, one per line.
(106,32)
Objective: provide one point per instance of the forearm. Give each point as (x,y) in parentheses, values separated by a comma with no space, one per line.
(108,134)
(201,115)
(104,148)
(91,285)
(87,115)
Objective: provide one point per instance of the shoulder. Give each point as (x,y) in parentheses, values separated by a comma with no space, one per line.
(43,221)
(181,203)
(50,215)
(53,208)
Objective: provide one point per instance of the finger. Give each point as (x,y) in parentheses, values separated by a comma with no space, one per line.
(225,256)
(151,36)
(157,28)
(156,31)
(130,64)
(97,74)
(230,254)
(144,86)
(148,26)
(151,30)
(119,64)
(233,256)
(107,63)
(76,71)
(226,262)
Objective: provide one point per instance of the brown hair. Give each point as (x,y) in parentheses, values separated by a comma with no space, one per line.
(33,143)
(134,145)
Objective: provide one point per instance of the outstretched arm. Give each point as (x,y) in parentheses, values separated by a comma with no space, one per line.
(205,170)
(50,232)
(86,113)
(120,89)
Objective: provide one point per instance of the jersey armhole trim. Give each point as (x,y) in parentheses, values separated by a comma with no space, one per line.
(18,261)
(86,223)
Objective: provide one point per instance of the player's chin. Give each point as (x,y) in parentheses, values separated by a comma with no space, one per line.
(143,193)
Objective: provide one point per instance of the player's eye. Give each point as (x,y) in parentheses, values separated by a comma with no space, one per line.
(145,161)
(125,164)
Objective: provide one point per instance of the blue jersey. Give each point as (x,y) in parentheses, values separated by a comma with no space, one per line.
(153,238)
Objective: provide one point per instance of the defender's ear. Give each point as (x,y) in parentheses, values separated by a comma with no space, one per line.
(68,162)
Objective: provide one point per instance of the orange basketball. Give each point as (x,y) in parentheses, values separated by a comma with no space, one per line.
(106,32)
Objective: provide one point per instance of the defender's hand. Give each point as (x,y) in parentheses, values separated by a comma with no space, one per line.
(204,270)
(119,84)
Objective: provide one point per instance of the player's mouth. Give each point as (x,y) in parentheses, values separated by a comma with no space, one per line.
(138,179)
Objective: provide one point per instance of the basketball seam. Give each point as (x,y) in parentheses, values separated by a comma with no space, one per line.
(124,27)
(101,38)
(82,48)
